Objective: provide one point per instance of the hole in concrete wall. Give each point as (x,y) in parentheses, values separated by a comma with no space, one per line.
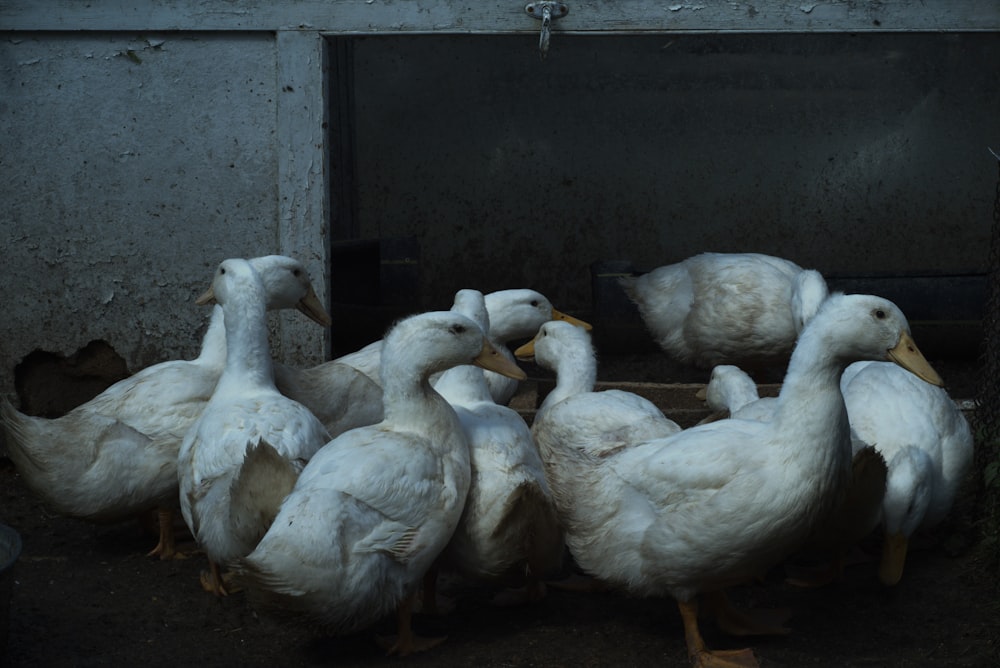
(51,384)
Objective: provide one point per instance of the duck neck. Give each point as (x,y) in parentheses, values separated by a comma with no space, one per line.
(812,388)
(462,385)
(248,353)
(741,397)
(576,373)
(410,400)
(407,394)
(213,344)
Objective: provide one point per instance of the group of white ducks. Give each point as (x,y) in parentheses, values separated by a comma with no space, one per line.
(340,491)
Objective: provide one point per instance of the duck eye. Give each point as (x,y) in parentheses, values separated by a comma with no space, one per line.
(296,272)
(880,314)
(534,302)
(457,329)
(222,270)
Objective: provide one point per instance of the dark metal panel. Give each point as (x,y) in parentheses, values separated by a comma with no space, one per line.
(849,154)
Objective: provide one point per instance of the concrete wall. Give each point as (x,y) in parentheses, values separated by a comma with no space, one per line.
(134,160)
(131,165)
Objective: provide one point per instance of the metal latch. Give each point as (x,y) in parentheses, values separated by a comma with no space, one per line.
(545,12)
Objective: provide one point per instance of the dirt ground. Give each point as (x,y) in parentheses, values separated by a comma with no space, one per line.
(85,595)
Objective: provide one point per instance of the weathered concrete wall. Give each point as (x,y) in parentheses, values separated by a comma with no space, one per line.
(131,165)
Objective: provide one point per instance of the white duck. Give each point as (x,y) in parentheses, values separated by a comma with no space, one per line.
(246,416)
(721,308)
(732,393)
(926,442)
(509,522)
(517,314)
(579,417)
(116,455)
(718,504)
(374,508)
(514,314)
(573,413)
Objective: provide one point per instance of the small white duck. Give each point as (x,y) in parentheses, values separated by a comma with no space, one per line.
(246,417)
(377,505)
(573,413)
(115,456)
(727,308)
(718,504)
(730,390)
(509,523)
(927,444)
(514,314)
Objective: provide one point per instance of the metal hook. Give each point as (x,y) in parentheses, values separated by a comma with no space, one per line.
(546,11)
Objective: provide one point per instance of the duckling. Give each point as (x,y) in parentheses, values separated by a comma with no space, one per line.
(927,443)
(245,416)
(716,505)
(727,308)
(376,506)
(115,456)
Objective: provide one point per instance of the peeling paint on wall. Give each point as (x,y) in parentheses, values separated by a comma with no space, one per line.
(51,384)
(119,205)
